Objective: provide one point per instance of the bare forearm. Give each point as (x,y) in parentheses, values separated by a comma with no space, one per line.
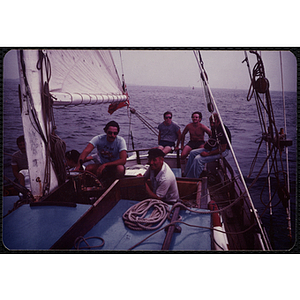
(150,192)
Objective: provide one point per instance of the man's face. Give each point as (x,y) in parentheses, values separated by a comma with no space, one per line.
(156,163)
(168,119)
(214,124)
(22,147)
(196,118)
(111,133)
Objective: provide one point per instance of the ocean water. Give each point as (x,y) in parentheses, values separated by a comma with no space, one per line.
(77,125)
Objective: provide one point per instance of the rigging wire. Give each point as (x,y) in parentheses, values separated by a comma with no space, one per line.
(259,85)
(203,77)
(269,132)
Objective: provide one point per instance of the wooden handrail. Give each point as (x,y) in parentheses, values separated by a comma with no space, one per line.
(138,159)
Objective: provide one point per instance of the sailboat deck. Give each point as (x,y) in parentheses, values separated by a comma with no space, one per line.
(118,237)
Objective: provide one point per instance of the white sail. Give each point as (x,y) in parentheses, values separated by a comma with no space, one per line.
(68,77)
(83,77)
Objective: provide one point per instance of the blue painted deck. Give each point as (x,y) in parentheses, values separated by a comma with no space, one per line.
(8,203)
(118,237)
(37,228)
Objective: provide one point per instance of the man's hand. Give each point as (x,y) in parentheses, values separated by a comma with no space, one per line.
(204,153)
(100,170)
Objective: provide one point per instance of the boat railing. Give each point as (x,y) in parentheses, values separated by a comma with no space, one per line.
(139,160)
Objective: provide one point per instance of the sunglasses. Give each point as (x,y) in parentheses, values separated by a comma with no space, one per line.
(168,117)
(112,132)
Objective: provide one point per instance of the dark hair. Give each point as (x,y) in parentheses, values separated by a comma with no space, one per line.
(72,155)
(214,117)
(113,124)
(197,112)
(20,139)
(167,113)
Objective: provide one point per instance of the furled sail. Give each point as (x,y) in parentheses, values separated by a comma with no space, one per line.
(84,77)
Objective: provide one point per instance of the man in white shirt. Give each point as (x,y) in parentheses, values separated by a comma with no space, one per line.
(163,180)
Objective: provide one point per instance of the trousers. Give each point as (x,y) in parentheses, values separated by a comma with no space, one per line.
(196,162)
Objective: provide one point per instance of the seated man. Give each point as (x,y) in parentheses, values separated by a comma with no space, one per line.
(163,181)
(169,132)
(112,152)
(211,151)
(197,131)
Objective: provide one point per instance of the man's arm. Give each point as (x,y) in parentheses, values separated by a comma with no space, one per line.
(185,131)
(214,152)
(178,138)
(151,193)
(15,170)
(121,161)
(207,130)
(88,149)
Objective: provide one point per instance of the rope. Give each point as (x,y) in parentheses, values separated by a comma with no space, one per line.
(137,217)
(139,115)
(58,149)
(81,239)
(190,225)
(214,106)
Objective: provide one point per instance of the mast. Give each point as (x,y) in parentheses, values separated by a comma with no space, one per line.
(41,172)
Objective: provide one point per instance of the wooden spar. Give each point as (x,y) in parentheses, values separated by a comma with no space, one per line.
(33,122)
(171,229)
(96,212)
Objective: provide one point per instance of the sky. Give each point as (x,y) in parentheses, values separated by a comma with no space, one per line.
(179,68)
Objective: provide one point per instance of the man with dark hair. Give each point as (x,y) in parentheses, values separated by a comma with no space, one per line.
(163,181)
(169,132)
(72,158)
(197,131)
(214,148)
(112,152)
(19,160)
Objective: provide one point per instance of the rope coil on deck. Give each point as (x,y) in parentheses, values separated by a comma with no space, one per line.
(137,217)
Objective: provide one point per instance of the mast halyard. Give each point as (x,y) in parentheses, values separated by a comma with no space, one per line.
(211,106)
(275,140)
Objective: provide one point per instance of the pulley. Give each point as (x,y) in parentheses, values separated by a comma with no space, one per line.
(210,107)
(261,85)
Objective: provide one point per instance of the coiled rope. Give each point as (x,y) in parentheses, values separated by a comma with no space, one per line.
(137,217)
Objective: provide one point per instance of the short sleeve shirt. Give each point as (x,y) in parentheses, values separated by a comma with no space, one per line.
(108,151)
(164,183)
(19,159)
(168,133)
